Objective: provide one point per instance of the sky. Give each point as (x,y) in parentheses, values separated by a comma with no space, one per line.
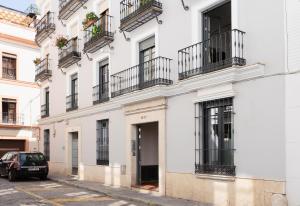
(20,5)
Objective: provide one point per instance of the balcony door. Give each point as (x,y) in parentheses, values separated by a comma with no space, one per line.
(217,34)
(147,64)
(74,90)
(103,79)
(47,100)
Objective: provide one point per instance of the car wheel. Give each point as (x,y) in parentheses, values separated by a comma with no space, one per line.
(12,175)
(43,177)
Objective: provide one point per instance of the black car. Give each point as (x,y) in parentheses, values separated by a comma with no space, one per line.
(23,164)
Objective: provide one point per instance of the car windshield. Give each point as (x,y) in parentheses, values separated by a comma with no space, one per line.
(27,157)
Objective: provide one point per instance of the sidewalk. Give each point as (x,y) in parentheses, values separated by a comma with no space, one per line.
(125,193)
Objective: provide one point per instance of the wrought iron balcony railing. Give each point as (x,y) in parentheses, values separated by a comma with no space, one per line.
(220,51)
(42,71)
(99,34)
(68,7)
(9,73)
(72,102)
(135,13)
(45,27)
(45,110)
(101,93)
(151,73)
(12,118)
(216,161)
(69,54)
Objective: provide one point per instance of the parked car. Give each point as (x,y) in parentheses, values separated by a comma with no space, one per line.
(23,164)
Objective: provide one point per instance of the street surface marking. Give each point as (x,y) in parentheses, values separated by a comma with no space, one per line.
(51,185)
(76,194)
(7,191)
(39,197)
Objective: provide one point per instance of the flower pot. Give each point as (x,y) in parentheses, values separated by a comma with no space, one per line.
(89,23)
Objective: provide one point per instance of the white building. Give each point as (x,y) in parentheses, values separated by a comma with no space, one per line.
(214,122)
(19,94)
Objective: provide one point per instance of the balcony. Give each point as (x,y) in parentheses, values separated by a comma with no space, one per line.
(98,35)
(71,102)
(45,110)
(135,13)
(69,54)
(100,93)
(68,7)
(44,28)
(42,71)
(11,118)
(148,74)
(220,162)
(219,52)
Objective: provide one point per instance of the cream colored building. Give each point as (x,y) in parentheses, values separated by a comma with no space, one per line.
(19,94)
(186,99)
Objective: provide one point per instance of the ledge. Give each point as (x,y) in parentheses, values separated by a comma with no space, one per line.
(216,177)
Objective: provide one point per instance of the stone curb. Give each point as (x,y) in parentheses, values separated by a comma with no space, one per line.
(110,194)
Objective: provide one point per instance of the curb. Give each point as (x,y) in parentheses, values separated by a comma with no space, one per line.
(116,196)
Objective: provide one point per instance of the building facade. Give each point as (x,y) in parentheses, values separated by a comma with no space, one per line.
(191,99)
(19,94)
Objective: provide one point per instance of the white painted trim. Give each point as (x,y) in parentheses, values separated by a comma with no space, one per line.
(226,76)
(219,92)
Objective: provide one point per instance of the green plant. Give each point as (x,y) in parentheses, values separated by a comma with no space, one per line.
(61,42)
(96,30)
(89,17)
(37,61)
(144,2)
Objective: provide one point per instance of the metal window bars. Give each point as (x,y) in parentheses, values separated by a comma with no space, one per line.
(101,93)
(42,70)
(98,34)
(220,51)
(72,102)
(69,54)
(154,72)
(44,27)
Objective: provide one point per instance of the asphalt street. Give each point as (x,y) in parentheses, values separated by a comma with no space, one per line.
(33,192)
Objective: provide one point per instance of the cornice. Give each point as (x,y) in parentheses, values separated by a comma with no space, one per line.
(226,76)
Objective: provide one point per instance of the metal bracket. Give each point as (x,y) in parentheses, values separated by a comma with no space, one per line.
(111,47)
(159,21)
(185,7)
(126,38)
(62,23)
(87,55)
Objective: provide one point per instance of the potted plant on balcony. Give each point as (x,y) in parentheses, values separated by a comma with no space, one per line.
(61,42)
(96,30)
(37,61)
(144,2)
(90,18)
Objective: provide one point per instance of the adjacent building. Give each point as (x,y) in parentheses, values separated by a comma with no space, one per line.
(19,94)
(195,99)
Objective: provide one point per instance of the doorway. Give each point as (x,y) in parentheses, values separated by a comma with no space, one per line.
(147,156)
(74,153)
(216,35)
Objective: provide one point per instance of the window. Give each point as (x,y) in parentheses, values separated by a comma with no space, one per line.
(214,137)
(45,107)
(72,99)
(102,142)
(9,66)
(9,107)
(47,144)
(147,54)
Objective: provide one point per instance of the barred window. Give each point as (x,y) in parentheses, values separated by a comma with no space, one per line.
(9,66)
(47,144)
(214,149)
(102,142)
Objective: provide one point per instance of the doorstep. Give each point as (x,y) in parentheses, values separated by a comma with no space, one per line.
(125,193)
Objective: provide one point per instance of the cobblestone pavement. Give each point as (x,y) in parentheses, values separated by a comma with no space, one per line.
(33,192)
